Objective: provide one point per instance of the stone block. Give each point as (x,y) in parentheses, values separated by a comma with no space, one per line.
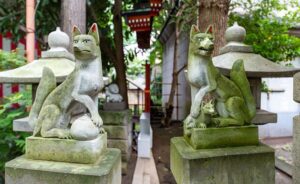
(116,117)
(22,125)
(126,156)
(26,171)
(122,144)
(233,165)
(223,137)
(296,87)
(296,149)
(66,150)
(114,106)
(118,131)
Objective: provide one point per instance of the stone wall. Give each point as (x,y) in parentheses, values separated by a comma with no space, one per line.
(296,132)
(118,126)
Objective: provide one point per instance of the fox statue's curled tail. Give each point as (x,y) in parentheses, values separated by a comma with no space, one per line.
(46,86)
(238,76)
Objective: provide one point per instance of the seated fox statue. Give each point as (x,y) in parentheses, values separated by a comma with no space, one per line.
(54,107)
(231,102)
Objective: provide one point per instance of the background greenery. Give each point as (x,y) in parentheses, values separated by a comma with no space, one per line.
(267,24)
(12,143)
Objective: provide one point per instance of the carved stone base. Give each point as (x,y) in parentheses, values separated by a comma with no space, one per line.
(234,165)
(223,137)
(66,150)
(118,126)
(26,171)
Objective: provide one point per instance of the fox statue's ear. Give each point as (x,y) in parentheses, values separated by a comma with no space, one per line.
(209,29)
(75,31)
(194,30)
(94,32)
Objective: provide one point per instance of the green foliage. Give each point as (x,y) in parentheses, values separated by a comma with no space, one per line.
(156,90)
(12,143)
(267,23)
(264,87)
(135,68)
(13,19)
(10,60)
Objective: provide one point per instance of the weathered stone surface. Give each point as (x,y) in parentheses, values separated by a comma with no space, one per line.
(296,87)
(22,125)
(236,165)
(223,137)
(66,150)
(114,106)
(115,117)
(26,171)
(118,131)
(126,156)
(296,149)
(123,145)
(263,117)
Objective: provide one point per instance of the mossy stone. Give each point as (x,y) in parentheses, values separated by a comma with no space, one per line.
(66,150)
(231,165)
(27,171)
(115,117)
(203,138)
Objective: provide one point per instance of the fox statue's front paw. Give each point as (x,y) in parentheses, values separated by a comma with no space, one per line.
(97,120)
(190,122)
(101,130)
(64,134)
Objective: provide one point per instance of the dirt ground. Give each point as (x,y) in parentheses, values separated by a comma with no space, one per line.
(161,150)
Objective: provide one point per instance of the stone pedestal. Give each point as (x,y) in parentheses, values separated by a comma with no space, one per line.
(66,150)
(232,165)
(107,170)
(296,149)
(118,126)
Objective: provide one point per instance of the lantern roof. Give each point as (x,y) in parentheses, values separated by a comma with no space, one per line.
(140,20)
(58,59)
(255,65)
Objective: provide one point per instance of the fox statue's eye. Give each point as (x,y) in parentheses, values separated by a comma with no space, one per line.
(85,41)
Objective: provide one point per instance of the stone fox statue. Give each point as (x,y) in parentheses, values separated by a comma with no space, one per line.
(234,102)
(54,107)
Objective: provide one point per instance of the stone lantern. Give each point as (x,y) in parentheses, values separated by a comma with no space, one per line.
(57,58)
(256,68)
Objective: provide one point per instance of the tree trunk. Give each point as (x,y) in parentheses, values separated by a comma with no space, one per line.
(119,64)
(214,12)
(73,12)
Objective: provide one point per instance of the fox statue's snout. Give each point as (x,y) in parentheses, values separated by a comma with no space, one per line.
(206,44)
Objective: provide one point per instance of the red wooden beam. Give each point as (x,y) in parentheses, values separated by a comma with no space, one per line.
(147,88)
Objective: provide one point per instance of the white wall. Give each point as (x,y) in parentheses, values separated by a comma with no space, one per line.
(167,70)
(281,103)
